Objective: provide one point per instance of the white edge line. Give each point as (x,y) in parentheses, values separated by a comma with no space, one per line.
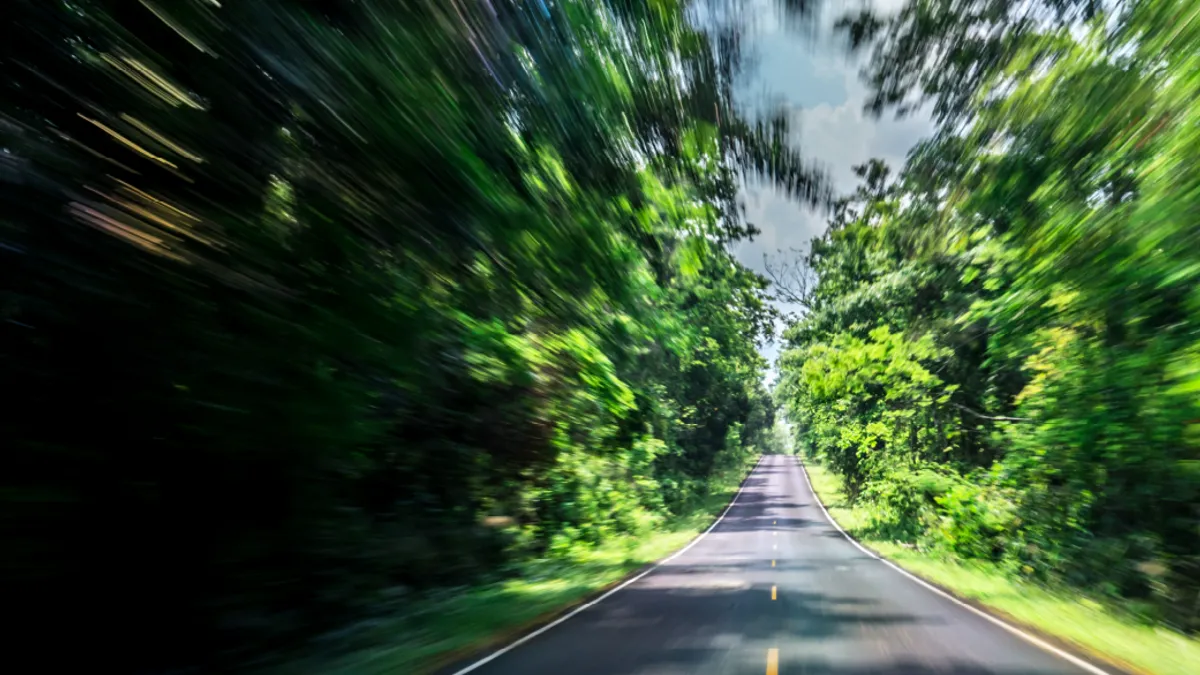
(511,646)
(1032,639)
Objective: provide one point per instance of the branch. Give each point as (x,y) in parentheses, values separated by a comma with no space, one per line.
(792,280)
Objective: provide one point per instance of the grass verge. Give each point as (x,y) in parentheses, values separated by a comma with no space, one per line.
(1088,626)
(441,629)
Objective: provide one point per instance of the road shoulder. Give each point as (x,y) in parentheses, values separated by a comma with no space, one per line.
(1087,630)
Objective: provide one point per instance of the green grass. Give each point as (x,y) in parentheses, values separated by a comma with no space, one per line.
(1085,624)
(453,624)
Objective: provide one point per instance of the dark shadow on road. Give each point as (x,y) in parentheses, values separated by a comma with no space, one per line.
(763,524)
(734,567)
(674,621)
(899,667)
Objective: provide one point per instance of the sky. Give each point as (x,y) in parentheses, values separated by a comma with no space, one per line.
(810,72)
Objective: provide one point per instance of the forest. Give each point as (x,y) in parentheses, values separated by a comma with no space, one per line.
(999,353)
(311,304)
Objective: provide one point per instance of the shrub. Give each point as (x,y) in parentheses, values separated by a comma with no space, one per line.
(901,504)
(974,521)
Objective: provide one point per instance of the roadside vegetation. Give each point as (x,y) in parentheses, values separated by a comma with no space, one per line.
(998,357)
(1088,624)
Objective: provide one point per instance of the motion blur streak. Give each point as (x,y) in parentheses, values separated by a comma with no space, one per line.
(312,307)
(364,331)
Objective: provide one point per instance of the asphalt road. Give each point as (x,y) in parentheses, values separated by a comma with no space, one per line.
(774,586)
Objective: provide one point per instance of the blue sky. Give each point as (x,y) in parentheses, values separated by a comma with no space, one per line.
(809,73)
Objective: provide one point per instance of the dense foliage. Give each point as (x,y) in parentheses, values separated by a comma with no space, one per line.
(307,304)
(1001,356)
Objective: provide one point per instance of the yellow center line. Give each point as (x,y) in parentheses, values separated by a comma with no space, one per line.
(772,563)
(772,592)
(772,522)
(772,662)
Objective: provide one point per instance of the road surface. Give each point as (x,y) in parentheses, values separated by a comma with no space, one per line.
(774,588)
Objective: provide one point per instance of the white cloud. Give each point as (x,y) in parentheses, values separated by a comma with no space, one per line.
(844,136)
(836,134)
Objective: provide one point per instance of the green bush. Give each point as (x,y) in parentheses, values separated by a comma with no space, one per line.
(901,504)
(974,521)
